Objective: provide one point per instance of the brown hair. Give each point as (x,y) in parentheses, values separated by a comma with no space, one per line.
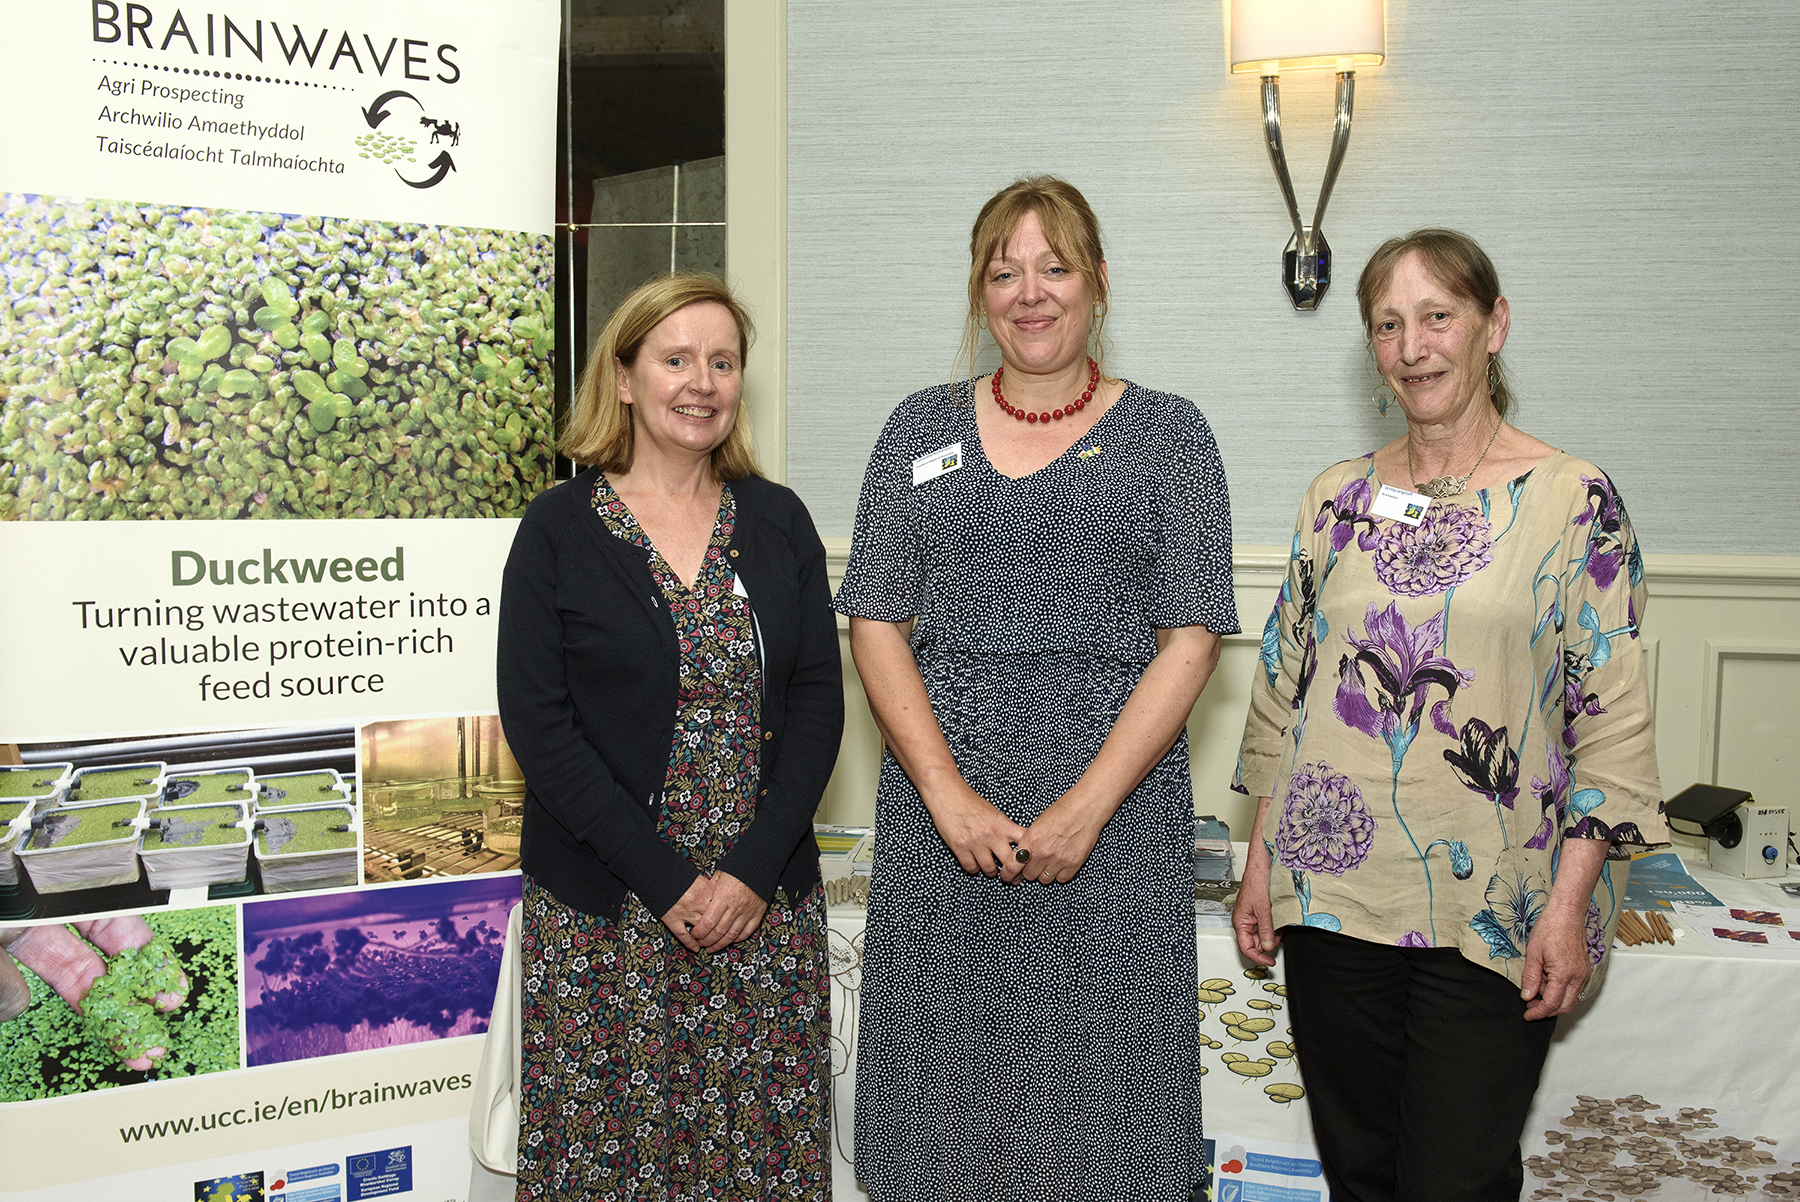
(1069,226)
(1454,260)
(599,430)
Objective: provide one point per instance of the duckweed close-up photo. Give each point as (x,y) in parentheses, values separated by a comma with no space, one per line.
(159,361)
(51,1050)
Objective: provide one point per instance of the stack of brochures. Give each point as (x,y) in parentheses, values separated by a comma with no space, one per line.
(1215,884)
(1659,880)
(1212,850)
(845,851)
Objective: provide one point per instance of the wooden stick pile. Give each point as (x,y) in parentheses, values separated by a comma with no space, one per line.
(851,889)
(1648,927)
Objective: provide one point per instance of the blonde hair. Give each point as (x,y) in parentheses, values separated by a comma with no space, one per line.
(1072,231)
(599,430)
(1454,260)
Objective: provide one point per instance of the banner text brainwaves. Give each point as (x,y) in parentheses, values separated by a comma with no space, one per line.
(140,26)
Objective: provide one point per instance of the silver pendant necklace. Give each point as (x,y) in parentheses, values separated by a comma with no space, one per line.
(1439,487)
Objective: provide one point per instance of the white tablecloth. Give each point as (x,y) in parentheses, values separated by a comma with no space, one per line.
(1678,1080)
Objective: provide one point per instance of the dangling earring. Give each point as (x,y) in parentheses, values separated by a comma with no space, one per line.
(1384,396)
(1493,377)
(981,320)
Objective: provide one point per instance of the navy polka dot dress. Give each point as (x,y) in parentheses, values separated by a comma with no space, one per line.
(1035,1042)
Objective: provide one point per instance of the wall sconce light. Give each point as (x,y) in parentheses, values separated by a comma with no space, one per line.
(1270,36)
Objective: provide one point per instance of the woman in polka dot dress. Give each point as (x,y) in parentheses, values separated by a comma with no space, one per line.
(1040,576)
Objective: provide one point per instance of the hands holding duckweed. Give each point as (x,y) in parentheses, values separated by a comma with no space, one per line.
(122,998)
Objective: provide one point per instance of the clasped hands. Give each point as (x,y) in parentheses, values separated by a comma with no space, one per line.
(715,912)
(1049,851)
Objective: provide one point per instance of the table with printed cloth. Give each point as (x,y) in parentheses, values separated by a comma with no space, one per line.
(1678,1080)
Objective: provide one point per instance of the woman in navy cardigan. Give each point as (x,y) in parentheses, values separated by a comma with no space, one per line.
(670,684)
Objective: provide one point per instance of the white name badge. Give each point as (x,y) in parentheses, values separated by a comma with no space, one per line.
(930,467)
(1396,503)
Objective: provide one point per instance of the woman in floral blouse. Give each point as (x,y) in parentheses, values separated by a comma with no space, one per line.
(1449,730)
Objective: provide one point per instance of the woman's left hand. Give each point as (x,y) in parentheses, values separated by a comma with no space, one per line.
(1556,965)
(733,912)
(1059,843)
(1556,956)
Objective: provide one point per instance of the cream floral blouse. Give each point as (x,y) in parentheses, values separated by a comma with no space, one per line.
(1439,706)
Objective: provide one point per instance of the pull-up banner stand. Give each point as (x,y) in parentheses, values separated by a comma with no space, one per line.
(275,384)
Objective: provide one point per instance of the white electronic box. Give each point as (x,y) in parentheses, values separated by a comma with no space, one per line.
(1754,845)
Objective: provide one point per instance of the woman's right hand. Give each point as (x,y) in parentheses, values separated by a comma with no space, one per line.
(689,910)
(1252,916)
(980,837)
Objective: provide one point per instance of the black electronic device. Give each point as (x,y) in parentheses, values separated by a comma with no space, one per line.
(1712,808)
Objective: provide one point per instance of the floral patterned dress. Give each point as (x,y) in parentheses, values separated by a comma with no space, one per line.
(1439,706)
(652,1073)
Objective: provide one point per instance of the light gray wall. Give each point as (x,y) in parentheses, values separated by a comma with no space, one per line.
(1629,167)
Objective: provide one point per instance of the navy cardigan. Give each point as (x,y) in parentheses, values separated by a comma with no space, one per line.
(587,665)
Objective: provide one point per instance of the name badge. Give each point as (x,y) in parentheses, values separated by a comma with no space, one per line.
(930,467)
(1402,506)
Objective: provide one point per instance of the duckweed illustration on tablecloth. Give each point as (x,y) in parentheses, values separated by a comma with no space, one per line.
(1275,1058)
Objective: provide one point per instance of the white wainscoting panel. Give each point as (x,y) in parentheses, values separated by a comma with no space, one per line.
(1750,707)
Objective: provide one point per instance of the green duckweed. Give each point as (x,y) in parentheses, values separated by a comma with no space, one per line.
(152,360)
(50,1050)
(27,782)
(201,788)
(303,831)
(208,827)
(298,788)
(133,780)
(118,1012)
(8,811)
(86,824)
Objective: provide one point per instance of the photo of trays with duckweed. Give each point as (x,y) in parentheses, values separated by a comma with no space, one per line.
(160,361)
(441,797)
(119,1001)
(121,824)
(372,968)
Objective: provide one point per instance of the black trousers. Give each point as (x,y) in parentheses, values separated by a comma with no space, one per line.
(1419,1068)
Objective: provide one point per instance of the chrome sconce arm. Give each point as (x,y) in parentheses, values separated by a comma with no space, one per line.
(1306,261)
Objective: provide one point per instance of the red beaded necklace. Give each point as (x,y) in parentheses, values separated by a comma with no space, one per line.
(1055,414)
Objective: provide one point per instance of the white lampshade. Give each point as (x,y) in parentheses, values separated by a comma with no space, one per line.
(1294,34)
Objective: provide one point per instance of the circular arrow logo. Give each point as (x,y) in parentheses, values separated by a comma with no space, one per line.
(392,147)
